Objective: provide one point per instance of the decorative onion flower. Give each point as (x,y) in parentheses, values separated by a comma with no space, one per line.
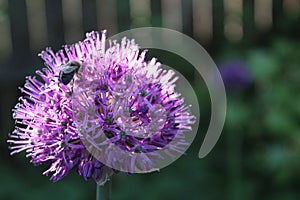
(116,99)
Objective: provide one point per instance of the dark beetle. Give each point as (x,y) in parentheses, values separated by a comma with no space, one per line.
(67,72)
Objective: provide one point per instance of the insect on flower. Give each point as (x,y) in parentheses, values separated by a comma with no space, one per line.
(67,72)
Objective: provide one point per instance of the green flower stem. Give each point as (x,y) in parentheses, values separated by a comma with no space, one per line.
(104,191)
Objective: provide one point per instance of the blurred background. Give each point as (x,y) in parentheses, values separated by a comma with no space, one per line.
(255,44)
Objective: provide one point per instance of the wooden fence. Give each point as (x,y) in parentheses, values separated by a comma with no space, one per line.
(28,26)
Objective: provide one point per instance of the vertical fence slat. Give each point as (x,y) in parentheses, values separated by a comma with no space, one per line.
(140,12)
(55,26)
(172,14)
(37,24)
(263,13)
(233,25)
(107,15)
(19,29)
(203,20)
(89,15)
(72,20)
(291,7)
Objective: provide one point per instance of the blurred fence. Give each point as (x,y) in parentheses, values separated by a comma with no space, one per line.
(28,26)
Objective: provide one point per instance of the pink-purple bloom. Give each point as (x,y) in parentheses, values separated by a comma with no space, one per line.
(124,90)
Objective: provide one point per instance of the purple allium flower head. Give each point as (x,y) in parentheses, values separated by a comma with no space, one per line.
(116,95)
(135,106)
(235,74)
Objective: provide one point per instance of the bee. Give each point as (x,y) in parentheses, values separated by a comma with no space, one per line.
(67,72)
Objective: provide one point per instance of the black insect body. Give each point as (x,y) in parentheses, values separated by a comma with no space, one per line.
(67,72)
